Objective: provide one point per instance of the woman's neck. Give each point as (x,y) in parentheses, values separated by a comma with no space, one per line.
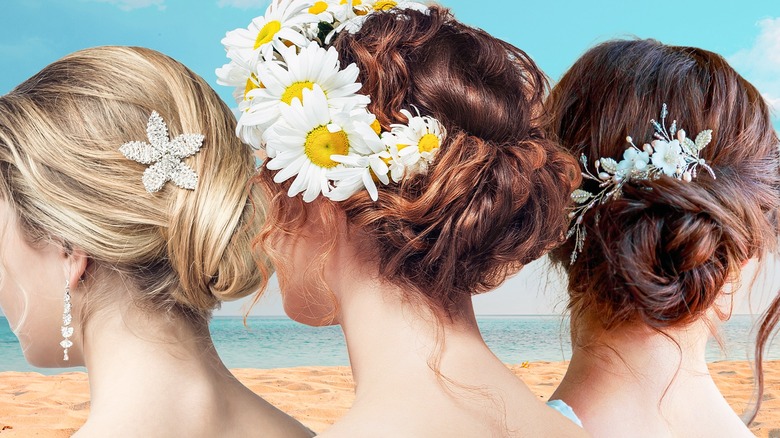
(635,378)
(383,329)
(160,375)
(417,375)
(125,347)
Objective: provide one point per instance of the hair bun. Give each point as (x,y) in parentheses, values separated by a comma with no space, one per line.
(60,135)
(669,246)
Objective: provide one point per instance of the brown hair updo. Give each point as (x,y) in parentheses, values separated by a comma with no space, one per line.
(493,198)
(63,173)
(662,254)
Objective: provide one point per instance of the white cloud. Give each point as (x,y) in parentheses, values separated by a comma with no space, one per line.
(128,5)
(243,4)
(774,101)
(760,64)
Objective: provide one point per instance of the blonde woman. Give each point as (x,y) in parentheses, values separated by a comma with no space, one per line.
(125,219)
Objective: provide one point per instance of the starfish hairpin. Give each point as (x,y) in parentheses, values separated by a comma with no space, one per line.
(166,155)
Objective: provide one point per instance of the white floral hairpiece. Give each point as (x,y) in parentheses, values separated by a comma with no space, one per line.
(665,155)
(298,104)
(166,155)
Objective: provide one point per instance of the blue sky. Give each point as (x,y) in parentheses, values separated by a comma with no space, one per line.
(37,32)
(554,33)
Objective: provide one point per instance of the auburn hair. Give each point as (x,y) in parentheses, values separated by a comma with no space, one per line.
(662,253)
(494,197)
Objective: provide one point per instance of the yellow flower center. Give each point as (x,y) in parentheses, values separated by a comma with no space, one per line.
(267,33)
(384,5)
(318,7)
(398,147)
(251,84)
(427,143)
(376,126)
(355,3)
(321,144)
(296,90)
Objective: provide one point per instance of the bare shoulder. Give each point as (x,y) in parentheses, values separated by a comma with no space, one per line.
(538,420)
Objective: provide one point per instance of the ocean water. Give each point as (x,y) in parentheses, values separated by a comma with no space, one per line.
(276,342)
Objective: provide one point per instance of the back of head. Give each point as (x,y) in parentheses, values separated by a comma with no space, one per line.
(492,200)
(63,173)
(661,254)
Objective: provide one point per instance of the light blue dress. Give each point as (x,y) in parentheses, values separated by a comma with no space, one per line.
(566,410)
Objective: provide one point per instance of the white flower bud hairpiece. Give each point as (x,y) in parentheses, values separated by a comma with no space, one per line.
(676,156)
(302,108)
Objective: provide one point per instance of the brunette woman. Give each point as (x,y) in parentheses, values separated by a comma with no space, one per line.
(681,203)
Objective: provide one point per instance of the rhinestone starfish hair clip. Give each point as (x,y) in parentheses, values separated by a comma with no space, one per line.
(671,153)
(164,155)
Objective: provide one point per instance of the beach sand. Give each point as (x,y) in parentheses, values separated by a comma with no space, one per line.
(33,405)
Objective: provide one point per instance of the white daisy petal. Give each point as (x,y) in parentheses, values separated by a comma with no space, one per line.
(313,188)
(368,182)
(302,178)
(288,171)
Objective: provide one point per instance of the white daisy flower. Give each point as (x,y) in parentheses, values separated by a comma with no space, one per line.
(282,83)
(283,21)
(368,6)
(362,168)
(238,73)
(668,156)
(351,19)
(413,146)
(364,123)
(358,173)
(242,75)
(396,163)
(306,137)
(324,10)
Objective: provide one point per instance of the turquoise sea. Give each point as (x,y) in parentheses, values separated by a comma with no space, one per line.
(277,342)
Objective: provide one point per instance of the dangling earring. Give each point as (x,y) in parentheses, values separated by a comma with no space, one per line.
(67,330)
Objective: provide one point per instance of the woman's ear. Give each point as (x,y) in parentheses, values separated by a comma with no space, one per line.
(75,264)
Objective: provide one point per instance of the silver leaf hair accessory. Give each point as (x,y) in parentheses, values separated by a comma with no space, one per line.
(665,155)
(165,154)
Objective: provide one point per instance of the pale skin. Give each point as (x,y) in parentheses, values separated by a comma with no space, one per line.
(150,374)
(392,343)
(654,388)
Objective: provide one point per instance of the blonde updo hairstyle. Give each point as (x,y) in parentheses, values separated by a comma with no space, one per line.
(63,174)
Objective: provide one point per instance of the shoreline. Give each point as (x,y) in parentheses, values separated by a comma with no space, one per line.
(33,404)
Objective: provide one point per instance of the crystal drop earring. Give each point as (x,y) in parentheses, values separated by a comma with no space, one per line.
(67,330)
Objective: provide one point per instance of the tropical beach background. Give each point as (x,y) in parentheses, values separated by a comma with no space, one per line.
(303,370)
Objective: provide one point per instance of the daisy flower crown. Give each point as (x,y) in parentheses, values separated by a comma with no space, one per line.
(304,110)
(671,153)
